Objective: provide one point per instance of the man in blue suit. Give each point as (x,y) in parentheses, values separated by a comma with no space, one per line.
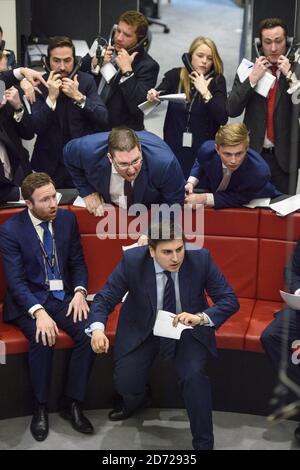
(232,173)
(164,276)
(68,107)
(47,281)
(103,165)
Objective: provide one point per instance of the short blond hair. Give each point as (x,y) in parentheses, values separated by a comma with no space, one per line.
(234,133)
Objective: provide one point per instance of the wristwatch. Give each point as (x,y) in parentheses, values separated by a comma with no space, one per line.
(82,291)
(81,102)
(127,74)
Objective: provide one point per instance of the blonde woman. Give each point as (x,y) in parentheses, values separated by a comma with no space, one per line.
(189,124)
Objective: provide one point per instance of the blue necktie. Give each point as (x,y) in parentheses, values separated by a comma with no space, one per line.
(48,245)
(167,345)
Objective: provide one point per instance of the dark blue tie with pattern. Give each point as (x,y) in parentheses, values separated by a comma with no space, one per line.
(167,345)
(48,246)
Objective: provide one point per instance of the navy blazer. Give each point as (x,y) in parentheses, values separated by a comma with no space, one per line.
(160,180)
(123,98)
(68,119)
(24,266)
(136,274)
(250,181)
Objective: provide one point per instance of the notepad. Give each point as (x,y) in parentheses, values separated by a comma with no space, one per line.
(164,325)
(263,85)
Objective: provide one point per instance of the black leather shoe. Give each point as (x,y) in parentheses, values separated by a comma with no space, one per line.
(297,433)
(73,413)
(119,414)
(39,426)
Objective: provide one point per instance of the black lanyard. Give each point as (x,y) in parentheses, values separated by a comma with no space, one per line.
(50,262)
(190,111)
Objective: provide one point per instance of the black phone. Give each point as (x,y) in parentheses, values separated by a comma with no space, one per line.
(2,45)
(142,45)
(187,61)
(77,65)
(259,51)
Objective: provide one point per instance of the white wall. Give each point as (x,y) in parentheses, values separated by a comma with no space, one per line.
(8,23)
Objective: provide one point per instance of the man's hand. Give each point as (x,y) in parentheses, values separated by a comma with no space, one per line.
(54,83)
(46,327)
(95,204)
(284,65)
(189,188)
(108,55)
(143,240)
(99,342)
(79,307)
(12,96)
(195,199)
(187,319)
(71,88)
(29,90)
(153,95)
(34,77)
(258,70)
(124,60)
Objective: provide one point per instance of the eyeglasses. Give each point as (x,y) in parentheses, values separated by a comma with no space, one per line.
(125,166)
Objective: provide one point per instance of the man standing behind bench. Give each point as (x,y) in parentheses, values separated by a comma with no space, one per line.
(47,281)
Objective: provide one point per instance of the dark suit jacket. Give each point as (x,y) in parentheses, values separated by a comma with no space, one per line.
(243,97)
(24,266)
(159,181)
(11,133)
(251,180)
(124,98)
(68,121)
(136,274)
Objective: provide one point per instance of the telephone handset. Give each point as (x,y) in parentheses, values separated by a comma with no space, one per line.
(142,45)
(187,60)
(77,65)
(258,46)
(2,45)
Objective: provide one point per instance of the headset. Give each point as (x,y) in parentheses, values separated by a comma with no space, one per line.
(142,45)
(187,60)
(258,46)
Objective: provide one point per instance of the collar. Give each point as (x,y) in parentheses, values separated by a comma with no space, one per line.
(35,221)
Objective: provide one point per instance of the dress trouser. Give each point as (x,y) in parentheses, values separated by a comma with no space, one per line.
(131,377)
(40,356)
(279,178)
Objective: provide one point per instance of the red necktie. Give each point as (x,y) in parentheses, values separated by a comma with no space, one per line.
(271,106)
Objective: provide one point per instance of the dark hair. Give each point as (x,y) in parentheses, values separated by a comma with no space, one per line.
(269,23)
(122,139)
(33,182)
(60,41)
(137,19)
(164,231)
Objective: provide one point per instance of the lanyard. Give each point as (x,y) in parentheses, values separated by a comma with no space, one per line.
(50,262)
(189,112)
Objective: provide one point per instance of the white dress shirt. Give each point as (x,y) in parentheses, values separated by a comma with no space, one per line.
(116,188)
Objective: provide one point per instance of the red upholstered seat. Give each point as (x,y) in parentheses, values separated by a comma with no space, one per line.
(279,228)
(231,335)
(262,315)
(232,222)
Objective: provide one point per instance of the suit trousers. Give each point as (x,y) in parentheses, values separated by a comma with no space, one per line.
(131,376)
(40,356)
(279,178)
(271,339)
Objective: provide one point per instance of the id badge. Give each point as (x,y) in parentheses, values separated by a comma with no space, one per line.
(187,139)
(56,284)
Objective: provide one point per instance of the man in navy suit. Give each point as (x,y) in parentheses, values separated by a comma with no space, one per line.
(101,166)
(68,107)
(47,281)
(164,276)
(286,328)
(232,173)
(136,71)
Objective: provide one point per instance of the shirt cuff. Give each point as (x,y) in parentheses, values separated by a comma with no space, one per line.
(50,104)
(297,292)
(210,200)
(93,327)
(123,79)
(207,320)
(17,74)
(80,288)
(34,309)
(193,180)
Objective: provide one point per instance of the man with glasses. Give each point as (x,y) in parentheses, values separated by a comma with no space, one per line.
(123,167)
(232,173)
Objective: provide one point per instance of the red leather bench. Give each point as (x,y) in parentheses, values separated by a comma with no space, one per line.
(249,246)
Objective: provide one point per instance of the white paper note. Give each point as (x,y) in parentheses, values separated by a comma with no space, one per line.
(263,85)
(287,206)
(163,326)
(291,300)
(260,202)
(148,106)
(79,202)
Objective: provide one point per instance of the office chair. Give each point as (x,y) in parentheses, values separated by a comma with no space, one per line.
(150,10)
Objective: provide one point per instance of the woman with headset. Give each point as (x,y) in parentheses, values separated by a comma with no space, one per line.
(188,124)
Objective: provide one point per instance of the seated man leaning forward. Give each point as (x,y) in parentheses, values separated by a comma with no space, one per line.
(124,167)
(164,275)
(231,173)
